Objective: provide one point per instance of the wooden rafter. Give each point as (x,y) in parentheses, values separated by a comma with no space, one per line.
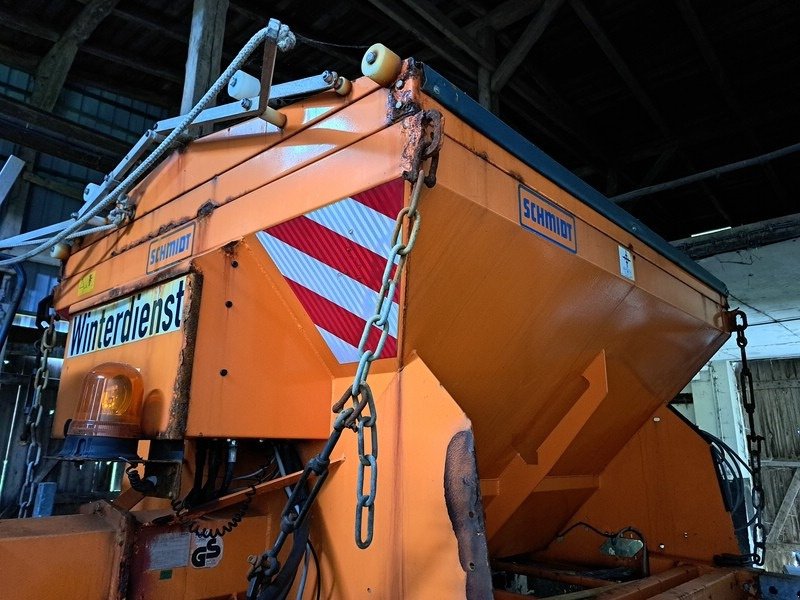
(723,82)
(205,50)
(503,15)
(787,507)
(638,91)
(54,66)
(44,132)
(581,143)
(526,41)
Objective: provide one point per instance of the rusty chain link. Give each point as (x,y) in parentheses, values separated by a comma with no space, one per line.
(754,441)
(33,420)
(361,416)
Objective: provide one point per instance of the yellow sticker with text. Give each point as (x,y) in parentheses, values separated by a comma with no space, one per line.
(86,284)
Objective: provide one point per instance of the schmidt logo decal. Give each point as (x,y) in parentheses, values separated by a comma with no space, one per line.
(541,216)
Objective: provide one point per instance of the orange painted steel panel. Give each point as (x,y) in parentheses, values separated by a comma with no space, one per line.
(415,550)
(329,179)
(339,130)
(523,475)
(256,373)
(71,557)
(229,576)
(552,311)
(663,483)
(214,154)
(495,157)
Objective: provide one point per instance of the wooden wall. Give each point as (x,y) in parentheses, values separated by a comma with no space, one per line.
(777,393)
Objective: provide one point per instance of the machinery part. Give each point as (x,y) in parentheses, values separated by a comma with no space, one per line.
(243,85)
(8,175)
(232,523)
(270,115)
(267,568)
(427,148)
(626,550)
(381,65)
(10,305)
(41,379)
(106,423)
(342,86)
(60,251)
(143,486)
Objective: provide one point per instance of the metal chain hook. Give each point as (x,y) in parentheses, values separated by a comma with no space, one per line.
(33,455)
(754,441)
(362,415)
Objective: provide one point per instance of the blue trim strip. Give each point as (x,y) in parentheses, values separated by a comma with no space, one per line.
(507,138)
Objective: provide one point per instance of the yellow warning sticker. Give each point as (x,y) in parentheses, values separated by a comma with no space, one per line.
(86,284)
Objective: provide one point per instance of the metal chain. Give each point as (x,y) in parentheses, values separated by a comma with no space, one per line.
(34,419)
(361,416)
(754,441)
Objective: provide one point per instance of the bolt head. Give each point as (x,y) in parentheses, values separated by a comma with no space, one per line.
(246,103)
(327,77)
(398,85)
(371,57)
(398,105)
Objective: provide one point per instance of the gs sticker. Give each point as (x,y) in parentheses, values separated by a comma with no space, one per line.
(206,552)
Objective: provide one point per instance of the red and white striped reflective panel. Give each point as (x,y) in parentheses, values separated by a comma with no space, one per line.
(333,259)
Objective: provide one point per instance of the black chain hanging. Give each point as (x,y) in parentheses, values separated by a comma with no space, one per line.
(754,441)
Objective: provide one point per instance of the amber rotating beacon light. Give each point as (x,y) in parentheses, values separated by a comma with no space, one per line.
(106,425)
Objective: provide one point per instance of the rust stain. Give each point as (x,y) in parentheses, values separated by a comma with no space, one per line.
(515,175)
(179,407)
(153,234)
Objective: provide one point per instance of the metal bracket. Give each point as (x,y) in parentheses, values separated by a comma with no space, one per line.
(8,175)
(622,547)
(268,64)
(249,107)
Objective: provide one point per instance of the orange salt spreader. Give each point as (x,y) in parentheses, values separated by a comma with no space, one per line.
(499,362)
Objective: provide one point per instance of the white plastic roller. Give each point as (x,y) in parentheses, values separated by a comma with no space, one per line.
(242,85)
(381,65)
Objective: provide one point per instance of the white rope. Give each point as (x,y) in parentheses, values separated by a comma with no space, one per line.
(71,231)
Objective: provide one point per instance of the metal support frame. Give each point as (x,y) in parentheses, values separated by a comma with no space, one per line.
(246,108)
(8,175)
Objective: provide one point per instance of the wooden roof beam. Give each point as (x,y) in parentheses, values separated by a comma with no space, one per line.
(451,31)
(712,61)
(463,39)
(148,20)
(54,66)
(619,64)
(137,64)
(507,13)
(644,99)
(152,22)
(23,24)
(205,51)
(425,34)
(44,132)
(526,41)
(30,62)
